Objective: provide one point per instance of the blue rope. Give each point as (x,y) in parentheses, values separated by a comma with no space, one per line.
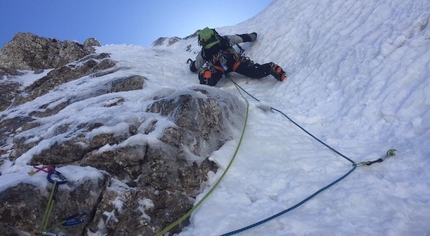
(304,130)
(317,139)
(354,166)
(291,208)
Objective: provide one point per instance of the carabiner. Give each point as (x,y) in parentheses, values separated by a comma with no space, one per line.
(59,175)
(80,218)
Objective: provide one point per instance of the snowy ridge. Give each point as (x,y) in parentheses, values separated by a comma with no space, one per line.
(358,79)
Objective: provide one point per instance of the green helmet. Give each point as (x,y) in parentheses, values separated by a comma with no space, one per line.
(208,37)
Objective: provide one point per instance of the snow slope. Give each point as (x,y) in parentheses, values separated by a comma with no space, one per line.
(358,80)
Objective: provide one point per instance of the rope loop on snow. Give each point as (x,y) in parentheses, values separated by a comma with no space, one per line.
(168,228)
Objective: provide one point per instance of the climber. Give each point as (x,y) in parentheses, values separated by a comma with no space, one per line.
(221,58)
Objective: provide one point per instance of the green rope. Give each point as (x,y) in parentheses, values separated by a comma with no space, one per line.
(168,228)
(58,225)
(49,208)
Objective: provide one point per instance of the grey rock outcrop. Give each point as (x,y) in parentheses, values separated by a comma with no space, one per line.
(169,41)
(162,40)
(94,64)
(8,89)
(23,205)
(27,51)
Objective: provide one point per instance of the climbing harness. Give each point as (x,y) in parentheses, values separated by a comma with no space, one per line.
(389,153)
(168,228)
(241,50)
(57,179)
(222,56)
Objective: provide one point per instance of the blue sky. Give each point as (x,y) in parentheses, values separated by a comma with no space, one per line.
(120,22)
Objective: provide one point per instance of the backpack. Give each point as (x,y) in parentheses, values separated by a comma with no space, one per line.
(208,38)
(212,43)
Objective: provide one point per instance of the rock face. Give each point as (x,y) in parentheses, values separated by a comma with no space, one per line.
(150,164)
(90,65)
(172,40)
(8,89)
(27,51)
(23,206)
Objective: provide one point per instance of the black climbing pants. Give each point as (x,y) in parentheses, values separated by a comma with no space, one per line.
(244,66)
